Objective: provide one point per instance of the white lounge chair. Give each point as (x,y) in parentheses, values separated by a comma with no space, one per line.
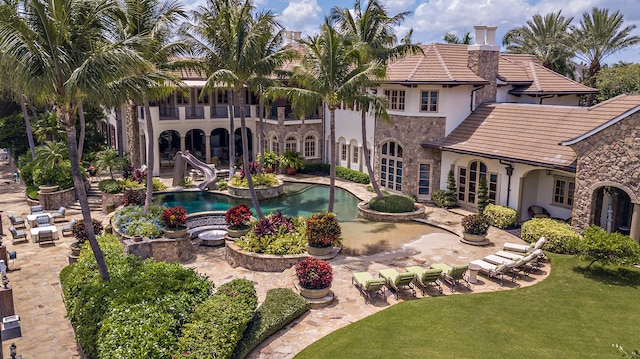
(524,248)
(495,270)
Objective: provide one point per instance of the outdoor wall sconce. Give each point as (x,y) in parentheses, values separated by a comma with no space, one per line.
(549,172)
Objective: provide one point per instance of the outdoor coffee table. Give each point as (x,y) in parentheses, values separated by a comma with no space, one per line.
(36,231)
(214,237)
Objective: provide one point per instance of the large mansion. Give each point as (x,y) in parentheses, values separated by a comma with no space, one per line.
(466,108)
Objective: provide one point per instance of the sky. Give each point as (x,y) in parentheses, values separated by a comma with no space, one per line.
(432,19)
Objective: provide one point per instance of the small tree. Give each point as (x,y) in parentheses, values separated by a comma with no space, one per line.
(483,194)
(451,198)
(608,248)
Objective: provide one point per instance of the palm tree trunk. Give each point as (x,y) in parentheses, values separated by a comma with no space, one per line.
(27,123)
(232,137)
(245,155)
(82,130)
(133,136)
(150,152)
(367,159)
(332,159)
(261,136)
(70,128)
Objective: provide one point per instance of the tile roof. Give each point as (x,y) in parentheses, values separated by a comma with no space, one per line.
(541,80)
(528,133)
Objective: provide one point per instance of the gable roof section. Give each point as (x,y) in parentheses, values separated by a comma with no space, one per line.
(547,82)
(532,134)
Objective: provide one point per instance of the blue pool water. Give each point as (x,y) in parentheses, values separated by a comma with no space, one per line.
(300,199)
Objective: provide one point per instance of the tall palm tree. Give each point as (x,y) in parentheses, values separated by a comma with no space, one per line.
(64,44)
(151,23)
(231,37)
(452,38)
(547,37)
(373,29)
(329,74)
(598,35)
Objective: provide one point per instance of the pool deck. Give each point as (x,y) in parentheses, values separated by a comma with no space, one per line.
(47,333)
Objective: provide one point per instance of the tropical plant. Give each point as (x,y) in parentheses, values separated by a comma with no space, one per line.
(270,160)
(238,217)
(314,273)
(51,154)
(292,159)
(323,230)
(620,78)
(174,217)
(80,233)
(598,35)
(452,38)
(108,159)
(132,197)
(135,220)
(254,168)
(475,223)
(547,38)
(276,234)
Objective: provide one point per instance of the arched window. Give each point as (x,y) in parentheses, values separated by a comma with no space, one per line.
(275,145)
(291,144)
(468,178)
(391,166)
(310,146)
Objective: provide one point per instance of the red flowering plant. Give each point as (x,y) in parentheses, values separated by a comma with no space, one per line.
(314,273)
(254,168)
(174,217)
(238,217)
(323,230)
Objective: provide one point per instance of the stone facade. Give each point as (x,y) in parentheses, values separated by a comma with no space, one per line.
(485,64)
(161,249)
(286,128)
(54,200)
(409,132)
(610,157)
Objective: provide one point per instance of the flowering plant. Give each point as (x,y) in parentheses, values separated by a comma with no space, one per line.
(476,223)
(254,168)
(323,230)
(314,273)
(174,217)
(237,217)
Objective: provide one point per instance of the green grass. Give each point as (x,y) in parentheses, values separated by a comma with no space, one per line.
(574,313)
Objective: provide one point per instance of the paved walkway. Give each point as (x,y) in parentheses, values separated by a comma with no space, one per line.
(46,333)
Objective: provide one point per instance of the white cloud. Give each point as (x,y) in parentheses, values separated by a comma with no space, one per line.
(397,6)
(302,15)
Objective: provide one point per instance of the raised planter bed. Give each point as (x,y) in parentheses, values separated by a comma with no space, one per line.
(237,257)
(261,192)
(366,213)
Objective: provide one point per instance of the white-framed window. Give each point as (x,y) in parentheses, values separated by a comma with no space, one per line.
(395,99)
(310,146)
(202,99)
(182,99)
(563,191)
(355,154)
(275,145)
(424,180)
(343,152)
(429,101)
(468,178)
(223,97)
(391,155)
(291,144)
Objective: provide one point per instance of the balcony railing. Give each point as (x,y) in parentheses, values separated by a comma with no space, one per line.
(169,113)
(220,112)
(194,112)
(247,111)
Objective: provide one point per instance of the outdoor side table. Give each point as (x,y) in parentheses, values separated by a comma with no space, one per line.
(214,237)
(473,273)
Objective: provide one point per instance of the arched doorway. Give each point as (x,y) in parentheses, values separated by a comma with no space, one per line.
(391,163)
(194,143)
(612,209)
(468,180)
(238,142)
(220,144)
(168,142)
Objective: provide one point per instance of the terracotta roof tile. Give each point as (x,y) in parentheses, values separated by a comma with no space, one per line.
(530,133)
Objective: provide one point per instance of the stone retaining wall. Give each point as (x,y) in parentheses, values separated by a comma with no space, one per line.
(161,249)
(262,193)
(111,198)
(54,200)
(365,212)
(236,257)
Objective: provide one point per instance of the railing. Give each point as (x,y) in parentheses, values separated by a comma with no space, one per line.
(219,112)
(194,112)
(247,111)
(169,113)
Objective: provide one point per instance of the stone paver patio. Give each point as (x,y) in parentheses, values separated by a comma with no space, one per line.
(46,333)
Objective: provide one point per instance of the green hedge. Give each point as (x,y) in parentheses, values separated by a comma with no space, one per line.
(137,286)
(280,307)
(316,168)
(110,186)
(501,216)
(392,204)
(560,237)
(218,323)
(352,175)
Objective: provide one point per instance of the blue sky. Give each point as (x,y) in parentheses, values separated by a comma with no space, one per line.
(432,19)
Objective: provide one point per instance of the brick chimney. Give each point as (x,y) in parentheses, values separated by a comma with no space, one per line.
(483,60)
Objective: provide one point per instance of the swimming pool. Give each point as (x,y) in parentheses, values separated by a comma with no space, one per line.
(300,199)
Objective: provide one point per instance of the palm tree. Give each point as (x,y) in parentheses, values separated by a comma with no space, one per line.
(547,37)
(374,30)
(330,73)
(238,51)
(452,38)
(51,154)
(599,35)
(151,22)
(64,44)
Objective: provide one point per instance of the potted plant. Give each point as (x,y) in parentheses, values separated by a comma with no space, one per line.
(475,229)
(271,161)
(237,219)
(292,162)
(314,276)
(80,234)
(175,220)
(323,232)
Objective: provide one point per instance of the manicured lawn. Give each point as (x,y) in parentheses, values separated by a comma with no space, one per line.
(572,314)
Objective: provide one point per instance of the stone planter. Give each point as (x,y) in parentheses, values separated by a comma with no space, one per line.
(75,250)
(475,239)
(365,212)
(314,293)
(237,233)
(174,233)
(319,251)
(291,171)
(137,238)
(48,189)
(261,192)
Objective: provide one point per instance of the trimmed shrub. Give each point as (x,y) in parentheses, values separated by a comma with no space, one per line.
(158,185)
(608,248)
(439,198)
(352,175)
(110,186)
(560,237)
(501,216)
(218,323)
(316,168)
(475,223)
(280,307)
(392,204)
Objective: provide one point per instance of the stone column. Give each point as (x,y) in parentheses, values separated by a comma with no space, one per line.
(183,143)
(207,147)
(635,222)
